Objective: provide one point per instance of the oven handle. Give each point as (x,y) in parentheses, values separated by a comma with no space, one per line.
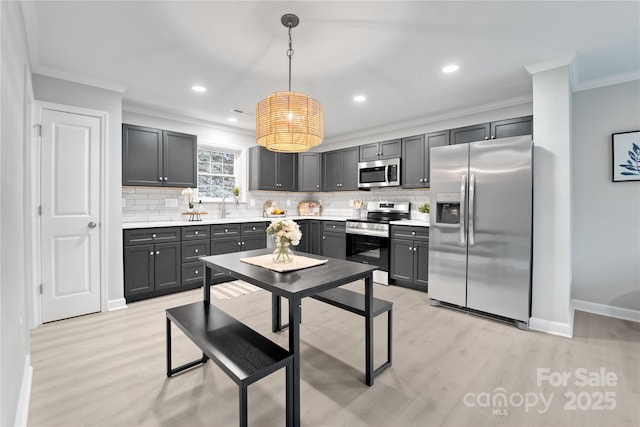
(368,233)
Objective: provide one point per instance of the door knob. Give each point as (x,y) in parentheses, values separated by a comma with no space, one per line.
(92,224)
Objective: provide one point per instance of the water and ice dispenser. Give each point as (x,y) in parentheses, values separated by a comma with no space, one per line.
(448,208)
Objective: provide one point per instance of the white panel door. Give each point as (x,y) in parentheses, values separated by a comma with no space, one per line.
(70,190)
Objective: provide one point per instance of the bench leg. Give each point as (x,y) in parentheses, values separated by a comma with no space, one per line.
(387,364)
(368,329)
(184,367)
(243,405)
(289,393)
(276,314)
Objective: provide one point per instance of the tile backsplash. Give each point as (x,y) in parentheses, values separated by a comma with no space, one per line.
(159,204)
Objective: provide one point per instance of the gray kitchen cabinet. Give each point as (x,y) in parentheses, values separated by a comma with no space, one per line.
(152,262)
(340,169)
(158,158)
(311,241)
(309,171)
(499,129)
(409,258)
(381,150)
(415,158)
(272,171)
(229,238)
(195,243)
(334,239)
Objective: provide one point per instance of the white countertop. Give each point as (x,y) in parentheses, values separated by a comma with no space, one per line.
(230,220)
(412,222)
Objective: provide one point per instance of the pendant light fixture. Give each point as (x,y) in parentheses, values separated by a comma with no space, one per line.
(289,122)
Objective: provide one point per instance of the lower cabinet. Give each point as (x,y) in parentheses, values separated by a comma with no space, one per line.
(228,238)
(334,239)
(311,241)
(409,258)
(151,269)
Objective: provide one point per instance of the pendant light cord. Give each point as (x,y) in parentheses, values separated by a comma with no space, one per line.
(290,54)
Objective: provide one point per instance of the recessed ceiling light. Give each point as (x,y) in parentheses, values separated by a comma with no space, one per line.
(232,119)
(450,68)
(197,88)
(359,98)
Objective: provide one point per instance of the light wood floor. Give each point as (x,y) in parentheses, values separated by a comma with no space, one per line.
(108,369)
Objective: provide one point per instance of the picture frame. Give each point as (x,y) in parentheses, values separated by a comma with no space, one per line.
(625,156)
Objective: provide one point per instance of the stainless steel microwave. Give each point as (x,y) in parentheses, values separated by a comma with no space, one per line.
(379,173)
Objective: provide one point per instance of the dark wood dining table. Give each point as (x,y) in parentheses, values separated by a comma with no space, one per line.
(294,286)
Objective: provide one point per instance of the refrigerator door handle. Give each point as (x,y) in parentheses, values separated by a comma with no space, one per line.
(472,197)
(463,195)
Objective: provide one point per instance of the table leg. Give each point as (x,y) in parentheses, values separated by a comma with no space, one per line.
(294,348)
(368,328)
(276,308)
(206,284)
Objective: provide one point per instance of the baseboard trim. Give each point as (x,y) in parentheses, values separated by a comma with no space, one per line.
(116,304)
(606,310)
(22,411)
(551,327)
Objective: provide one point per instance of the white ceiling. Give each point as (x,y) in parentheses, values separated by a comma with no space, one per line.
(390,51)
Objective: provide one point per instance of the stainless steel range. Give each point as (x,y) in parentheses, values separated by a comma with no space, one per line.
(368,239)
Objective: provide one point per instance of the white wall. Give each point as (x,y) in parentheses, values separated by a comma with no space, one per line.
(15,88)
(606,215)
(68,93)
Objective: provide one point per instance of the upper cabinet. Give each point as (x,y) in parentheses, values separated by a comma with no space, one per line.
(309,171)
(273,171)
(340,169)
(158,158)
(380,150)
(500,129)
(415,157)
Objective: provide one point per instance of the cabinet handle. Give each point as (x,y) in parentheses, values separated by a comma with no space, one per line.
(254,229)
(166,179)
(159,178)
(415,249)
(195,232)
(413,233)
(317,185)
(242,243)
(157,252)
(410,248)
(239,243)
(196,272)
(493,137)
(225,230)
(486,137)
(153,236)
(324,237)
(195,250)
(151,253)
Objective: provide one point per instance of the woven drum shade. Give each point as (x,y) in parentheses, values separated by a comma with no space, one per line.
(289,122)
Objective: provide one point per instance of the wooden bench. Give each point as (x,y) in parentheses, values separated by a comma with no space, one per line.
(354,302)
(242,353)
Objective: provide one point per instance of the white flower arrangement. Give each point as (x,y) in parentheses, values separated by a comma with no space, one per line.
(286,232)
(187,193)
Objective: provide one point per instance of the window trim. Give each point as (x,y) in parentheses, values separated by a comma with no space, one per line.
(241,167)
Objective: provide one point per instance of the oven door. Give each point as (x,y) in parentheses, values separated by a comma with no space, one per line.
(372,250)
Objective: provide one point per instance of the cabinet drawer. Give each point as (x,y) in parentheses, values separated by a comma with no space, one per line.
(251,228)
(225,230)
(192,272)
(142,236)
(192,250)
(333,226)
(194,232)
(404,232)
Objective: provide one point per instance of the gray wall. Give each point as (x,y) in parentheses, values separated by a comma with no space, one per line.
(69,93)
(606,215)
(15,88)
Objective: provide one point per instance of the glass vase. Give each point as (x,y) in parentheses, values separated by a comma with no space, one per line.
(283,254)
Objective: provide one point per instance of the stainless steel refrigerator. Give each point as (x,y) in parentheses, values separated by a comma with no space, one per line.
(481,227)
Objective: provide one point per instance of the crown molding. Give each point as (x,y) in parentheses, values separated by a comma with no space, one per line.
(76,78)
(607,81)
(482,108)
(552,64)
(151,112)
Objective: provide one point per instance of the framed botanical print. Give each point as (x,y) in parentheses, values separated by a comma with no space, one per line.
(626,156)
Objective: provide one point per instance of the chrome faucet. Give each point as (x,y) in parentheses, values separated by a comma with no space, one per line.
(223,212)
